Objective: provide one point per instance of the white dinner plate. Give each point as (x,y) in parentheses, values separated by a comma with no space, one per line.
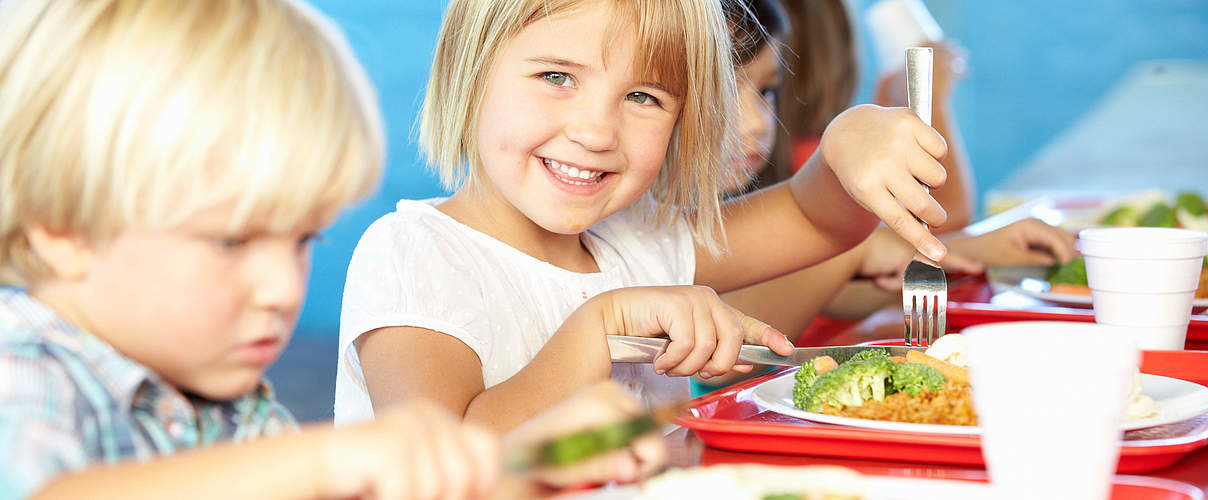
(1030,281)
(1176,399)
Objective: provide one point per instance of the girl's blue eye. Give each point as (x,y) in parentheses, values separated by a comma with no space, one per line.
(557,79)
(769,94)
(642,98)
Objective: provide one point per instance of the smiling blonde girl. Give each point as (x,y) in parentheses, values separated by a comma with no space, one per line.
(588,142)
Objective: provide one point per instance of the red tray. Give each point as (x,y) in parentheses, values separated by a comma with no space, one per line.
(963,314)
(731,419)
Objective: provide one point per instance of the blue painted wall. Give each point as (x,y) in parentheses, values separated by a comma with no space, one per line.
(1035,66)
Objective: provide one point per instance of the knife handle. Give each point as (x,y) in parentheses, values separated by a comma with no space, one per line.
(646,349)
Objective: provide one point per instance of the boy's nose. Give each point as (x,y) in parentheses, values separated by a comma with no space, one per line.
(280,278)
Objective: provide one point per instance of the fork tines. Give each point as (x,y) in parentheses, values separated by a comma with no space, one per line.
(924,302)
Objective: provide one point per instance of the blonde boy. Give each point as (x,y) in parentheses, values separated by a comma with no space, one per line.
(164,165)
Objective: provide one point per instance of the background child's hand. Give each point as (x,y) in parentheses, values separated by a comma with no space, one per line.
(1022,243)
(600,404)
(879,155)
(705,332)
(418,451)
(886,255)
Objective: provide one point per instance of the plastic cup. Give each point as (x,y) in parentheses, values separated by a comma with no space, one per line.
(895,25)
(1144,278)
(1050,399)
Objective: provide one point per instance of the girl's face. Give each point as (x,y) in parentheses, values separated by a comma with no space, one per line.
(567,133)
(758,84)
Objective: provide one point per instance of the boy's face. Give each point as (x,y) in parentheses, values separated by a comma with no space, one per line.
(566,139)
(208,311)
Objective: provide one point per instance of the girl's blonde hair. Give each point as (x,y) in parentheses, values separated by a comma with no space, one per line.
(116,113)
(682,44)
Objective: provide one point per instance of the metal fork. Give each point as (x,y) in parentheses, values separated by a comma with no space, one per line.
(924,287)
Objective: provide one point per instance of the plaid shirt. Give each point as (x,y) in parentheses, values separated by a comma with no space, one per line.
(68,400)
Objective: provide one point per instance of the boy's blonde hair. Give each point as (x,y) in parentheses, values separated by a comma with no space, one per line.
(683,44)
(115,113)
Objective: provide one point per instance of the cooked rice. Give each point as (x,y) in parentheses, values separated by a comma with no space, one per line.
(951,405)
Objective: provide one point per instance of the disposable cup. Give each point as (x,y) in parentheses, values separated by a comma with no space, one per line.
(1144,278)
(895,25)
(1050,400)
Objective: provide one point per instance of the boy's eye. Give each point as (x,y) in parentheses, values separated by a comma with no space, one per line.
(642,98)
(232,242)
(557,79)
(309,239)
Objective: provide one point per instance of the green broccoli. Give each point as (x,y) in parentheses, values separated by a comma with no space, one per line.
(1122,216)
(1191,203)
(1159,215)
(850,384)
(1070,273)
(913,377)
(869,354)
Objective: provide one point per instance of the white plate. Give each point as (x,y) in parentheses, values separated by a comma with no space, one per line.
(1030,281)
(1177,400)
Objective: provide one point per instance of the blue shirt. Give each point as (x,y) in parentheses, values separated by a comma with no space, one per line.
(68,400)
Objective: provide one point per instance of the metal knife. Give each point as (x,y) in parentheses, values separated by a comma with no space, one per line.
(645,349)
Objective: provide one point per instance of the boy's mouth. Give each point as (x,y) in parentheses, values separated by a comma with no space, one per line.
(574,176)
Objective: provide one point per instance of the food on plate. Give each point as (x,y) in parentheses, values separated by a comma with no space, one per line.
(754,482)
(929,387)
(1070,278)
(1151,209)
(872,386)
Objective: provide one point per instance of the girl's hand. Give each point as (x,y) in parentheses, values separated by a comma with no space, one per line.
(418,451)
(1027,242)
(879,156)
(596,405)
(705,332)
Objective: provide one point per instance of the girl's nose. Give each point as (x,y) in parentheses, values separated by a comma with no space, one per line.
(594,128)
(754,112)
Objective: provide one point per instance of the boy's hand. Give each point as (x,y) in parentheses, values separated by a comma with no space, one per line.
(600,404)
(879,156)
(705,332)
(418,451)
(1022,243)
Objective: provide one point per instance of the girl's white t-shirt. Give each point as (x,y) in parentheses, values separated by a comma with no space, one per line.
(421,268)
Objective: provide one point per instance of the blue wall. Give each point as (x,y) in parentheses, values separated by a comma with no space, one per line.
(1035,66)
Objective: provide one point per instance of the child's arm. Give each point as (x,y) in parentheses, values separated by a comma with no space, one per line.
(400,363)
(416,452)
(869,160)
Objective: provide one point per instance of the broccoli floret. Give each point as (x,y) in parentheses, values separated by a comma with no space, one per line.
(850,384)
(913,377)
(868,354)
(1070,273)
(1191,203)
(1159,215)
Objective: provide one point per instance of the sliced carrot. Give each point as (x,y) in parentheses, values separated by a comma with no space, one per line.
(1069,289)
(953,373)
(823,364)
(898,359)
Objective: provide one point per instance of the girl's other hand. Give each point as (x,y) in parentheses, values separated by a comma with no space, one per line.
(600,404)
(1027,242)
(879,156)
(417,451)
(705,332)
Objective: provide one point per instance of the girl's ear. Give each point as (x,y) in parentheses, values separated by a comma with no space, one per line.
(65,255)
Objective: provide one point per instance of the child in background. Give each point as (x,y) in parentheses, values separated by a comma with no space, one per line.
(164,169)
(759,37)
(588,141)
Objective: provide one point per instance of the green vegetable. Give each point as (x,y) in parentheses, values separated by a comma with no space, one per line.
(1191,203)
(806,375)
(783,496)
(1122,216)
(575,447)
(913,377)
(869,354)
(850,384)
(1070,273)
(1159,215)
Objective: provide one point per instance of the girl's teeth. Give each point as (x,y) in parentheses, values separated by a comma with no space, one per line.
(583,174)
(573,172)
